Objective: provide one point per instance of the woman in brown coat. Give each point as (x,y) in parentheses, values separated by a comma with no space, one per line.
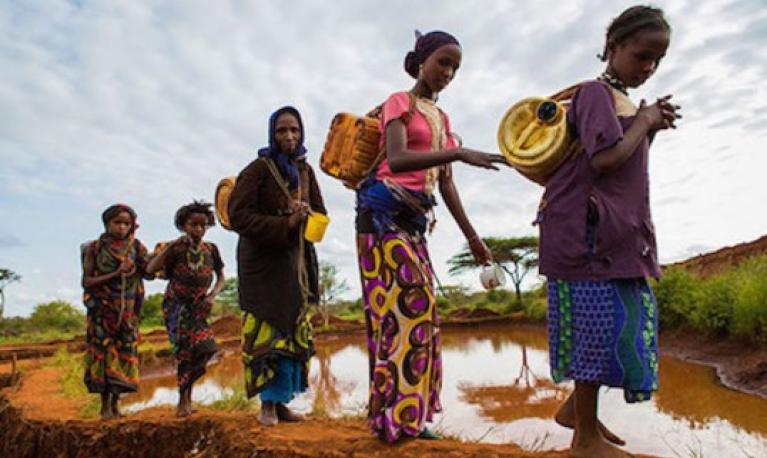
(277,268)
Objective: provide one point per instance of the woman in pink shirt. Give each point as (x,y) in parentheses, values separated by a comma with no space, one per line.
(394,209)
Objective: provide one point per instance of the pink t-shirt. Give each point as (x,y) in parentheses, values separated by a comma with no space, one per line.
(397,106)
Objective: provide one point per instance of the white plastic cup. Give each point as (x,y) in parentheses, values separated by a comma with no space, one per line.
(492,276)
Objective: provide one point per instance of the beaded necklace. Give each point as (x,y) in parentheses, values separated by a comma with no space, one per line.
(192,252)
(614,81)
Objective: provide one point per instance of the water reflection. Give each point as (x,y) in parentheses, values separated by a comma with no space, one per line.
(527,396)
(327,386)
(698,405)
(497,388)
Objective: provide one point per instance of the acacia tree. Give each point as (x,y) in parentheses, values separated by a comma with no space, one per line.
(331,286)
(7,276)
(517,256)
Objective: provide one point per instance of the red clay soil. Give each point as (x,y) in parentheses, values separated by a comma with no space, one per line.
(38,396)
(709,264)
(338,324)
(36,422)
(476,313)
(228,326)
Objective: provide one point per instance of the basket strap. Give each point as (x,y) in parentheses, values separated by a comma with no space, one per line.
(303,273)
(566,93)
(280,181)
(377,113)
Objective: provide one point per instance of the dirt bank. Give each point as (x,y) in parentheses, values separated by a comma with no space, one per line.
(709,264)
(37,422)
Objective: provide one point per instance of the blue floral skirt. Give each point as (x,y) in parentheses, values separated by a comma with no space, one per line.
(604,332)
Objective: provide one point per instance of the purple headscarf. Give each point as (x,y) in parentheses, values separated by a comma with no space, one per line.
(425,45)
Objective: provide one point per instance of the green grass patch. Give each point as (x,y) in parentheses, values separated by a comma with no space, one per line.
(730,304)
(351,314)
(38,337)
(236,400)
(71,383)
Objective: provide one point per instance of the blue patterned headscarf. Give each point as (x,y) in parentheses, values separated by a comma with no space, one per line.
(287,163)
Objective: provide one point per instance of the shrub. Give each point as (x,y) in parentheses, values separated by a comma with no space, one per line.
(151,310)
(732,303)
(750,309)
(677,293)
(58,315)
(535,309)
(713,314)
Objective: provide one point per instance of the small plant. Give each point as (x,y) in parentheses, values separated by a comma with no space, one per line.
(536,444)
(234,399)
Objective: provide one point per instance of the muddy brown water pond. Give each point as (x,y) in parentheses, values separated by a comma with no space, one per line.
(497,389)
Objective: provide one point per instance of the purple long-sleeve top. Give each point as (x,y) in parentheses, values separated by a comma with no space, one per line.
(624,237)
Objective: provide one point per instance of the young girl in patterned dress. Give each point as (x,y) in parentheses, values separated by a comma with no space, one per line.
(189,263)
(597,240)
(113,268)
(397,277)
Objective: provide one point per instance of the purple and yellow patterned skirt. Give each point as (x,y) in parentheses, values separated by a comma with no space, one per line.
(604,332)
(402,333)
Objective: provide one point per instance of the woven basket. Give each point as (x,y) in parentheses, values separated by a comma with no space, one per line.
(223,191)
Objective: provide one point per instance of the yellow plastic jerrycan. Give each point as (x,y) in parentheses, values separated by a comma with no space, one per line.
(534,137)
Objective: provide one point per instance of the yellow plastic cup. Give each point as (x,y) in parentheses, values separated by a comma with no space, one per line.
(316,224)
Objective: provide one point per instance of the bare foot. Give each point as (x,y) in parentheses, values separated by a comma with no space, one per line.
(565,416)
(285,414)
(267,416)
(597,448)
(114,406)
(183,409)
(106,407)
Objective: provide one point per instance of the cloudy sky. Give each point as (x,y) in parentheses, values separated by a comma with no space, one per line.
(151,103)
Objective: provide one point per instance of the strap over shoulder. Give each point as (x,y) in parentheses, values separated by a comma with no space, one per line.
(278,177)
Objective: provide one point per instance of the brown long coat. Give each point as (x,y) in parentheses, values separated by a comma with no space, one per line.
(268,251)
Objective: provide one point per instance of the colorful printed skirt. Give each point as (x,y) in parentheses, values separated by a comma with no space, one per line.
(111,358)
(604,332)
(276,365)
(191,338)
(402,333)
